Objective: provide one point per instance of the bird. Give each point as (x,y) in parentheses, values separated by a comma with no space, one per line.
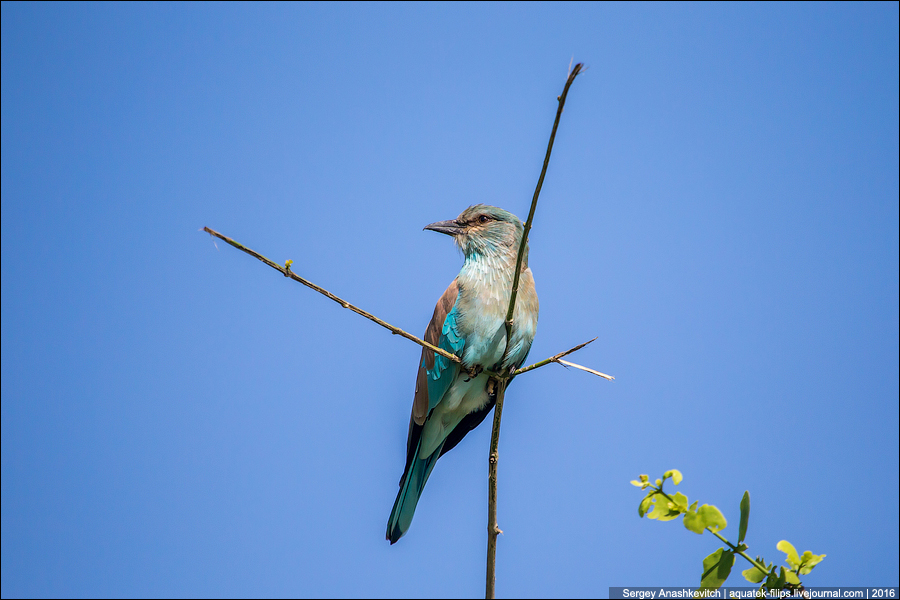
(451,399)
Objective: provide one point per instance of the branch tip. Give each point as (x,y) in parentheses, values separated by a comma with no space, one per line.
(490,571)
(566,363)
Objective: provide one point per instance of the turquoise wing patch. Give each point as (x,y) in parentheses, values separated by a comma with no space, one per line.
(444,371)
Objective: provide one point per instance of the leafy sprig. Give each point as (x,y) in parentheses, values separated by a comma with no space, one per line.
(660,505)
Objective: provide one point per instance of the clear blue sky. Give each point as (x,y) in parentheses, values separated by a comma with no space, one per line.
(721,210)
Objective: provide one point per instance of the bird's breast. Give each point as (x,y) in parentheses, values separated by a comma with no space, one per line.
(485,286)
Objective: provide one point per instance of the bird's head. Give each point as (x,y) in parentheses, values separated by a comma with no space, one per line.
(483,229)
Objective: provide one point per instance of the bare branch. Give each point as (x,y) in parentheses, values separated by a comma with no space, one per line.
(566,363)
(286,271)
(537,192)
(498,380)
(553,358)
(493,528)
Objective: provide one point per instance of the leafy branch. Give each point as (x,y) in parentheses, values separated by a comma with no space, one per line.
(659,505)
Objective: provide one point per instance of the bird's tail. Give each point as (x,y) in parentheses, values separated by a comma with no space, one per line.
(417,472)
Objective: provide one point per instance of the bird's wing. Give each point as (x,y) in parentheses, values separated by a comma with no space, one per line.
(436,372)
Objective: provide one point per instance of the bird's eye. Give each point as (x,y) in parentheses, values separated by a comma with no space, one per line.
(484,218)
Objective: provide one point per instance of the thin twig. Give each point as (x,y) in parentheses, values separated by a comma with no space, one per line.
(493,528)
(286,271)
(537,192)
(552,359)
(493,457)
(597,373)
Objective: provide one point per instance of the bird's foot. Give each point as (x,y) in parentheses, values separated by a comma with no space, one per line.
(473,372)
(492,389)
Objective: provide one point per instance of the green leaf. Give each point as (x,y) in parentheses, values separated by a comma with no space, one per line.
(753,575)
(782,578)
(745,517)
(808,561)
(788,548)
(712,518)
(676,506)
(791,578)
(663,509)
(716,569)
(706,516)
(776,582)
(645,504)
(659,506)
(675,474)
(693,522)
(637,483)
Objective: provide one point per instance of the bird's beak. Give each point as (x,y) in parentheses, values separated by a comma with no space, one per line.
(449,227)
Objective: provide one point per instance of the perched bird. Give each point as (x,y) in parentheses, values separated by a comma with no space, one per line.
(469,321)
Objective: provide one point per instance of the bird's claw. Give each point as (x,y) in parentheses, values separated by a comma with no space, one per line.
(473,372)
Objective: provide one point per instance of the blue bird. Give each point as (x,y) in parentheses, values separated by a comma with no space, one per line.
(453,399)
